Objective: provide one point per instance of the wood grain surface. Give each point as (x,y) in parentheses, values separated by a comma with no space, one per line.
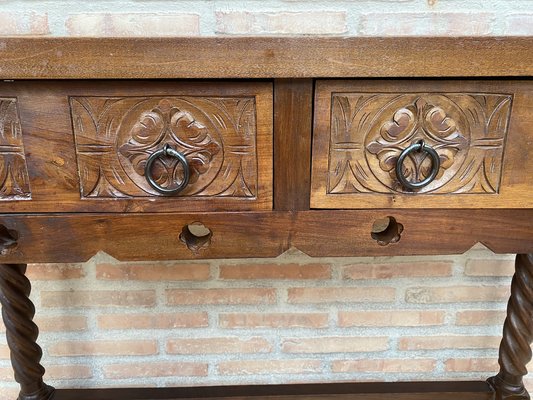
(481,131)
(159,236)
(293,115)
(263,57)
(86,144)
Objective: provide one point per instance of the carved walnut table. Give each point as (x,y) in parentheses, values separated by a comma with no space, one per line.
(243,147)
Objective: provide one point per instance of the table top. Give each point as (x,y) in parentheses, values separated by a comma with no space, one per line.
(263,57)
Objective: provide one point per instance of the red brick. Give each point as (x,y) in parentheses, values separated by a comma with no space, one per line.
(489,268)
(154,369)
(397,270)
(386,365)
(275,271)
(480,317)
(99,298)
(218,345)
(104,348)
(62,323)
(390,318)
(151,272)
(220,296)
(7,374)
(153,321)
(304,22)
(471,365)
(528,383)
(457,294)
(133,24)
(52,272)
(268,367)
(342,295)
(138,384)
(339,344)
(9,392)
(426,24)
(4,352)
(64,372)
(273,320)
(20,23)
(449,342)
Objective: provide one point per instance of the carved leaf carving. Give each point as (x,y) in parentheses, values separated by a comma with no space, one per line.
(369,131)
(216,135)
(14,180)
(166,124)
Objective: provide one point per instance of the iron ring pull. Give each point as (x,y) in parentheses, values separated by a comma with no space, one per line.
(419,146)
(167,151)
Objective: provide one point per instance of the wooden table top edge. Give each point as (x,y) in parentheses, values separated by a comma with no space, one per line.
(228,57)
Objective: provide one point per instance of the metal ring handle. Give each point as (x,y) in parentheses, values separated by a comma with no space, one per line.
(167,151)
(420,146)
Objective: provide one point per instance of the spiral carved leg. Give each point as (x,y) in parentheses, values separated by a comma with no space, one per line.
(21,332)
(515,349)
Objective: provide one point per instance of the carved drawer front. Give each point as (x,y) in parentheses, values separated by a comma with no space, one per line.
(14,182)
(469,141)
(89,143)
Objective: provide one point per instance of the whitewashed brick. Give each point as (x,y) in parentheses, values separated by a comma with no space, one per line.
(133,24)
(281,23)
(426,24)
(23,23)
(519,24)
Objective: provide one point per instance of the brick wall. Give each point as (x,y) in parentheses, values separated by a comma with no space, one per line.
(284,320)
(211,17)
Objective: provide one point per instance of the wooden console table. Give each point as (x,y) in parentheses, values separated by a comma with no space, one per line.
(190,148)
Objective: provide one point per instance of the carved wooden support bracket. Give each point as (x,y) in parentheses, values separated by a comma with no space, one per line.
(515,349)
(21,332)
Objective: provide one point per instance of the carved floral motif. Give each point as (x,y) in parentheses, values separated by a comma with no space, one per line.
(14,180)
(369,131)
(115,137)
(168,124)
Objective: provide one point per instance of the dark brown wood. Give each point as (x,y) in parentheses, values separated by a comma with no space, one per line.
(21,332)
(14,181)
(336,391)
(156,236)
(349,233)
(263,57)
(479,129)
(86,145)
(293,110)
(53,162)
(143,236)
(515,348)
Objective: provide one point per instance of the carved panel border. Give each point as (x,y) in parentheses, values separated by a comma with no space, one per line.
(14,180)
(116,135)
(369,131)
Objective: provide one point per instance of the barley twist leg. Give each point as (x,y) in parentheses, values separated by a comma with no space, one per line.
(515,348)
(21,332)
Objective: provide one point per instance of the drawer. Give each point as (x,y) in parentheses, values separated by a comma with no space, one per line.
(85,146)
(423,144)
